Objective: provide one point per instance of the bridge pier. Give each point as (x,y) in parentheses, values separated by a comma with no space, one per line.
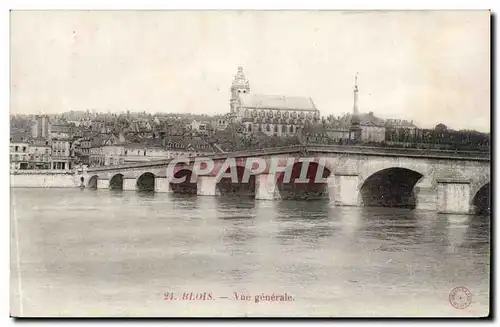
(266,187)
(425,195)
(332,188)
(207,185)
(102,184)
(345,189)
(129,184)
(162,185)
(453,196)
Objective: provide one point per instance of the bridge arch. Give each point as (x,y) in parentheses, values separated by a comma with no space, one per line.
(480,202)
(477,183)
(390,187)
(189,185)
(239,187)
(296,188)
(92,183)
(116,182)
(146,182)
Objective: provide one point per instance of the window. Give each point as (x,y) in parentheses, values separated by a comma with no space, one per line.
(24,149)
(291,129)
(268,127)
(144,152)
(138,152)
(276,128)
(283,129)
(16,148)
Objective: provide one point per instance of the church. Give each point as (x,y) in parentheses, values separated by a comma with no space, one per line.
(274,115)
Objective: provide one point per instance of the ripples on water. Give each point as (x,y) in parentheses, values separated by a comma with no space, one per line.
(115,253)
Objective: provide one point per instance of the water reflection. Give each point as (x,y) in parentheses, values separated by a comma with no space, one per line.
(456,230)
(349,219)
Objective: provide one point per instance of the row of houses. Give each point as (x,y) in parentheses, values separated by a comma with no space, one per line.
(115,150)
(40,153)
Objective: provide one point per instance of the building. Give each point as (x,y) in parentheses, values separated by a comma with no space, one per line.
(179,146)
(96,157)
(97,126)
(143,152)
(19,153)
(113,154)
(372,128)
(59,129)
(40,154)
(40,127)
(82,150)
(271,114)
(62,155)
(199,127)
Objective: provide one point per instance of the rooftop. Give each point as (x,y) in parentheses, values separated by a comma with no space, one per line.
(277,102)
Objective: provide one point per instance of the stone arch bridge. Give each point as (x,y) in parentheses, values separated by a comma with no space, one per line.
(443,181)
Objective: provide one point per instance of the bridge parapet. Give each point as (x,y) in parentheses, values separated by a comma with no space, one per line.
(42,172)
(401,152)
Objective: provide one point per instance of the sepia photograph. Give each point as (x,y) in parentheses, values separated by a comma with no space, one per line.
(250,163)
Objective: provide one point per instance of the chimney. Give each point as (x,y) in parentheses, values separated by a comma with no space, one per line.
(370,113)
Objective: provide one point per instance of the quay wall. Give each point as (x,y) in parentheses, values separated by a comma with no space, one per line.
(43,180)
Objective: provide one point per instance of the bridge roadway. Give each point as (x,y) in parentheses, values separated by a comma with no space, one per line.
(443,181)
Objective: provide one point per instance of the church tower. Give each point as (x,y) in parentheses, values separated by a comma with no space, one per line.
(240,85)
(355,128)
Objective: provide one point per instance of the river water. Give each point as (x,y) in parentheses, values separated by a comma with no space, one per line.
(112,253)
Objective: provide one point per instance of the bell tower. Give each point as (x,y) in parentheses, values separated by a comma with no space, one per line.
(240,85)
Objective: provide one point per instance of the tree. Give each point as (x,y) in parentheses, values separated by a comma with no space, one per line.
(441,128)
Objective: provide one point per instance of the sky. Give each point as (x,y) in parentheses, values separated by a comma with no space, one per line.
(429,67)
